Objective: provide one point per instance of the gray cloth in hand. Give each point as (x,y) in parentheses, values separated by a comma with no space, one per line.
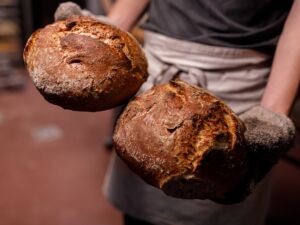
(268,136)
(68,9)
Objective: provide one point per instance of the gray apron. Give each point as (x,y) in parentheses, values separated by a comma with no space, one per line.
(238,77)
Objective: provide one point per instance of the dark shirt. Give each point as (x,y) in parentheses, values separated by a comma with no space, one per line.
(253,24)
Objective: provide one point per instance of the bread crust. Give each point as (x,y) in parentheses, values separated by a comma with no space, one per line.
(183,140)
(83,64)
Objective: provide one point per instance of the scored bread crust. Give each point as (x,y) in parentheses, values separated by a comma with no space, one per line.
(84,64)
(183,140)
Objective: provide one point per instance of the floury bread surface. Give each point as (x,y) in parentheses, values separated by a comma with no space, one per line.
(83,64)
(183,140)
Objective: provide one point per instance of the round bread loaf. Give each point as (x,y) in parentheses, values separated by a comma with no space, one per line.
(83,64)
(183,140)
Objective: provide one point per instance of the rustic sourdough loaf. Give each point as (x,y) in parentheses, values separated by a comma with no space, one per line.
(83,64)
(183,140)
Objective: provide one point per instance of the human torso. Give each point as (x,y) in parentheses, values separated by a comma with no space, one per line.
(254,24)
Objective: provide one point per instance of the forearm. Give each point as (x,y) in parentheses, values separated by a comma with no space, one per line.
(125,13)
(285,74)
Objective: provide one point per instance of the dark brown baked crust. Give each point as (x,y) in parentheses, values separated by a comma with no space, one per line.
(183,140)
(83,64)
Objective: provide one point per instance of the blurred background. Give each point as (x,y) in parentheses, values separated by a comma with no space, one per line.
(53,161)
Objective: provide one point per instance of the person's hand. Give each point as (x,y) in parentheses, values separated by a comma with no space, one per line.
(268,136)
(68,9)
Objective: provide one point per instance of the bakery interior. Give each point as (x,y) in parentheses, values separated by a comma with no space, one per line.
(53,161)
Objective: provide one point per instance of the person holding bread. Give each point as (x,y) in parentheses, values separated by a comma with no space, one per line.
(244,52)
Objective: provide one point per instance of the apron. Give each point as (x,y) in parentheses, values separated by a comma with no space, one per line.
(238,77)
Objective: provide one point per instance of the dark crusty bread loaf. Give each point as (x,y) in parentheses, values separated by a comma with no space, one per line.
(83,64)
(183,140)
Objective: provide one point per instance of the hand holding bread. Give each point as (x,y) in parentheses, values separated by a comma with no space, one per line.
(176,137)
(185,141)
